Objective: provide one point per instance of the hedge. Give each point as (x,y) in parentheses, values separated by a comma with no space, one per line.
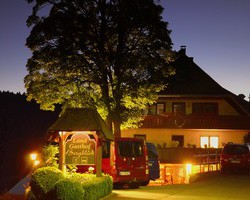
(67,189)
(43,180)
(49,183)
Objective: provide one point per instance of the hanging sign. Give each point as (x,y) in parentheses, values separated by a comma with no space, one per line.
(80,150)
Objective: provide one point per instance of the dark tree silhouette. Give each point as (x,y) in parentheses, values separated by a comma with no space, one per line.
(104,54)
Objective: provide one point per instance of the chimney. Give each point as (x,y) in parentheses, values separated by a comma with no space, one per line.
(242,96)
(183,50)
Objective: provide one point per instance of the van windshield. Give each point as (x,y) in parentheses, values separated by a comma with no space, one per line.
(130,148)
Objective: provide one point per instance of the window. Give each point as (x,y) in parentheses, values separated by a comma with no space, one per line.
(205,108)
(209,142)
(152,110)
(179,138)
(179,108)
(125,149)
(130,149)
(214,142)
(204,142)
(158,108)
(152,151)
(138,151)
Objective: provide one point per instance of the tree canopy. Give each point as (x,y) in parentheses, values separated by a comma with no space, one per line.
(111,55)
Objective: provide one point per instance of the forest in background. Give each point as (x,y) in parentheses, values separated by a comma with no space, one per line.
(22,129)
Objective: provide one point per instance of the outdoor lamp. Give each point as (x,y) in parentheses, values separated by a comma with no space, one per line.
(33,156)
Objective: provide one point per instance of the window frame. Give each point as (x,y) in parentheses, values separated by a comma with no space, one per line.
(182,104)
(209,141)
(153,109)
(181,137)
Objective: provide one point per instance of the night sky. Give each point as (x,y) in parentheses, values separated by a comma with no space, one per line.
(215,32)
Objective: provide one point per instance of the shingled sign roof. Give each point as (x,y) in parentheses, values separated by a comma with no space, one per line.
(80,119)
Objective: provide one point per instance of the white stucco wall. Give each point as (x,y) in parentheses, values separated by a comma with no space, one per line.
(160,136)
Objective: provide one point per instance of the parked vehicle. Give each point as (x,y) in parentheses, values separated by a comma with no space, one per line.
(129,164)
(125,159)
(235,157)
(153,163)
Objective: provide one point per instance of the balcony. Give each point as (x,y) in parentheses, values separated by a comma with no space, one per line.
(205,121)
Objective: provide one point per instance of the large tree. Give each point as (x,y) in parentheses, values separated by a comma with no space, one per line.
(111,55)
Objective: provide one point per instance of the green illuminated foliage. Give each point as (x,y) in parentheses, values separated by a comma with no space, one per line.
(66,189)
(109,55)
(43,181)
(48,183)
(49,156)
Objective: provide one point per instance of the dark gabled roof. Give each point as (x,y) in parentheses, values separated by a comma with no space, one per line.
(81,119)
(190,79)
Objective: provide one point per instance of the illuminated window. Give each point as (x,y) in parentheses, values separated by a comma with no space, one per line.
(214,142)
(209,142)
(204,142)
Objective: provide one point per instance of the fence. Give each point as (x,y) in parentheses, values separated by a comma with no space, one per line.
(177,164)
(188,155)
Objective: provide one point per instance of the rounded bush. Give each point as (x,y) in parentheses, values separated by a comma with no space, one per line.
(66,189)
(43,180)
(98,187)
(109,184)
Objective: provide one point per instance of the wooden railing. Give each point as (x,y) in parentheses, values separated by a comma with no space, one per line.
(196,121)
(208,158)
(189,155)
(177,164)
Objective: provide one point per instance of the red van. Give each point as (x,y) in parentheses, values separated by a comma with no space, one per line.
(125,159)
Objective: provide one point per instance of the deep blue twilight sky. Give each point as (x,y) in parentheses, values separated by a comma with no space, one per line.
(216,33)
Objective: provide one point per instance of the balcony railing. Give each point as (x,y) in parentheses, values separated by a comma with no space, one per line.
(197,121)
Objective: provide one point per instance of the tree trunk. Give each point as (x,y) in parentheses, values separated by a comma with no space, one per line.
(109,123)
(117,129)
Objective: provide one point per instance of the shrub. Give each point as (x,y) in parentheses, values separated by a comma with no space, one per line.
(81,177)
(109,184)
(67,189)
(43,181)
(29,195)
(174,144)
(49,156)
(48,183)
(98,187)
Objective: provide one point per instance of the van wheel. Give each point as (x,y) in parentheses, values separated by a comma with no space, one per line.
(144,183)
(134,185)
